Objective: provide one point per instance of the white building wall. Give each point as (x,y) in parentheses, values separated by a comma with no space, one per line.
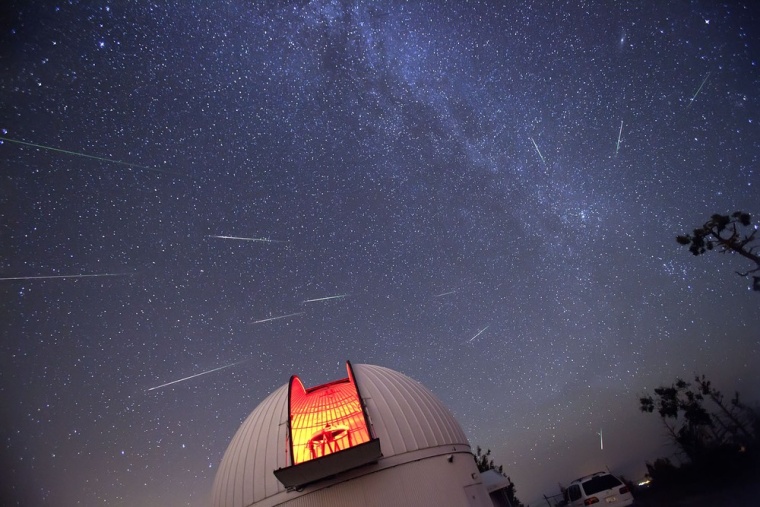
(431,482)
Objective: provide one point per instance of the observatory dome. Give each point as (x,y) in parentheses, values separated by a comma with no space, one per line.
(400,434)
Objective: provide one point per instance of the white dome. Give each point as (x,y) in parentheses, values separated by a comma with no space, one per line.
(405,417)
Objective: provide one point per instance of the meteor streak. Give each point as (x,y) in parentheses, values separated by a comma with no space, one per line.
(64,276)
(444,293)
(539,151)
(325,299)
(277,318)
(196,375)
(479,333)
(102,159)
(620,134)
(262,240)
(699,89)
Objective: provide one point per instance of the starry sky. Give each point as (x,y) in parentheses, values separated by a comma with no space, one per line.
(494,190)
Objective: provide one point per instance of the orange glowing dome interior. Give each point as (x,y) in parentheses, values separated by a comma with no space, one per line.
(325,419)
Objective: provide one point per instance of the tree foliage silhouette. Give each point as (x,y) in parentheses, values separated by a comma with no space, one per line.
(485,462)
(698,431)
(729,234)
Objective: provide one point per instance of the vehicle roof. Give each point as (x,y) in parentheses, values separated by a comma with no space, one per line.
(587,477)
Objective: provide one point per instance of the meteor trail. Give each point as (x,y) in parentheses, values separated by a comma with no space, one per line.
(277,318)
(620,134)
(539,151)
(479,333)
(196,375)
(699,90)
(262,240)
(102,159)
(444,293)
(64,276)
(325,299)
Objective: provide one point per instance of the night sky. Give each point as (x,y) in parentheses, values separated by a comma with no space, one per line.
(456,172)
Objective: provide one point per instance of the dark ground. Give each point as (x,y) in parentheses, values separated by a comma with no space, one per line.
(735,495)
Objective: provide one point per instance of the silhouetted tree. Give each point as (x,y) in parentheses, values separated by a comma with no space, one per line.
(485,463)
(698,432)
(662,470)
(732,234)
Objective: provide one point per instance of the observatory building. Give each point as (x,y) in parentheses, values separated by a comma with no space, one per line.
(374,438)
